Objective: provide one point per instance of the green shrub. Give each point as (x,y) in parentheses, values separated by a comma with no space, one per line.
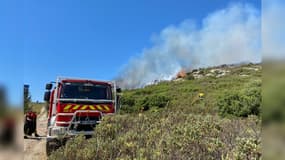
(128,104)
(132,104)
(153,102)
(128,100)
(240,103)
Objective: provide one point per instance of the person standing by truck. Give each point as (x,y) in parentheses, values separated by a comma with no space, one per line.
(30,125)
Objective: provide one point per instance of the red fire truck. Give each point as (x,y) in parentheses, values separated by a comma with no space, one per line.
(76,106)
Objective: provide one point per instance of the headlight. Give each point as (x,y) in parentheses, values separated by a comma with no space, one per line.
(58,131)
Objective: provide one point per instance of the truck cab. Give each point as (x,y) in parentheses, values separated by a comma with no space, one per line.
(76,106)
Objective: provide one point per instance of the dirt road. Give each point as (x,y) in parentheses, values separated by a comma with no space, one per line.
(34,148)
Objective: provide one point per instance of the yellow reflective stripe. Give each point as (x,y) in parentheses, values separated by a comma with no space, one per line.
(76,107)
(92,107)
(84,107)
(106,108)
(67,107)
(99,107)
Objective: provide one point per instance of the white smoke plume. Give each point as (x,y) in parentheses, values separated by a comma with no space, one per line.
(227,36)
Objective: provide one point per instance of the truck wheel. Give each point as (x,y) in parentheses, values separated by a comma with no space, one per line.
(51,146)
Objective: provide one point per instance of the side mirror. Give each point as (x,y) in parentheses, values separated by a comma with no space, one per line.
(47,96)
(48,86)
(119,90)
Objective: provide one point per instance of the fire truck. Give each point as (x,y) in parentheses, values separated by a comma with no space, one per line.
(76,106)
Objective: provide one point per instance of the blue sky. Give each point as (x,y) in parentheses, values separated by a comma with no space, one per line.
(40,40)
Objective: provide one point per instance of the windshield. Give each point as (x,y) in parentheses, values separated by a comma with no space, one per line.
(85,91)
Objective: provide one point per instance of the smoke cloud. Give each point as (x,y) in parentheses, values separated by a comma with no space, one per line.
(227,36)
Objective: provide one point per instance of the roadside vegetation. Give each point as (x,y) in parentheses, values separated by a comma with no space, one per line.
(212,113)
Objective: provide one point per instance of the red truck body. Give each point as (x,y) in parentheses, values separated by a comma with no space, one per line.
(76,106)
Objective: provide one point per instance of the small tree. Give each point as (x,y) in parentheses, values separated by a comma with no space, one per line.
(27,98)
(3,102)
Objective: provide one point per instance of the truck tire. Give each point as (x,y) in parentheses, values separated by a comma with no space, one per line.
(51,146)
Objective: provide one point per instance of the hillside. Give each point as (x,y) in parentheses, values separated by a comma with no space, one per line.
(210,113)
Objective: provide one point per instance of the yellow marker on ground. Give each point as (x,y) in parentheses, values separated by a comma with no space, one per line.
(201,95)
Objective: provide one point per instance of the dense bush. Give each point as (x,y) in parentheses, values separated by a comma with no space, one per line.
(153,102)
(240,103)
(132,104)
(167,137)
(128,100)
